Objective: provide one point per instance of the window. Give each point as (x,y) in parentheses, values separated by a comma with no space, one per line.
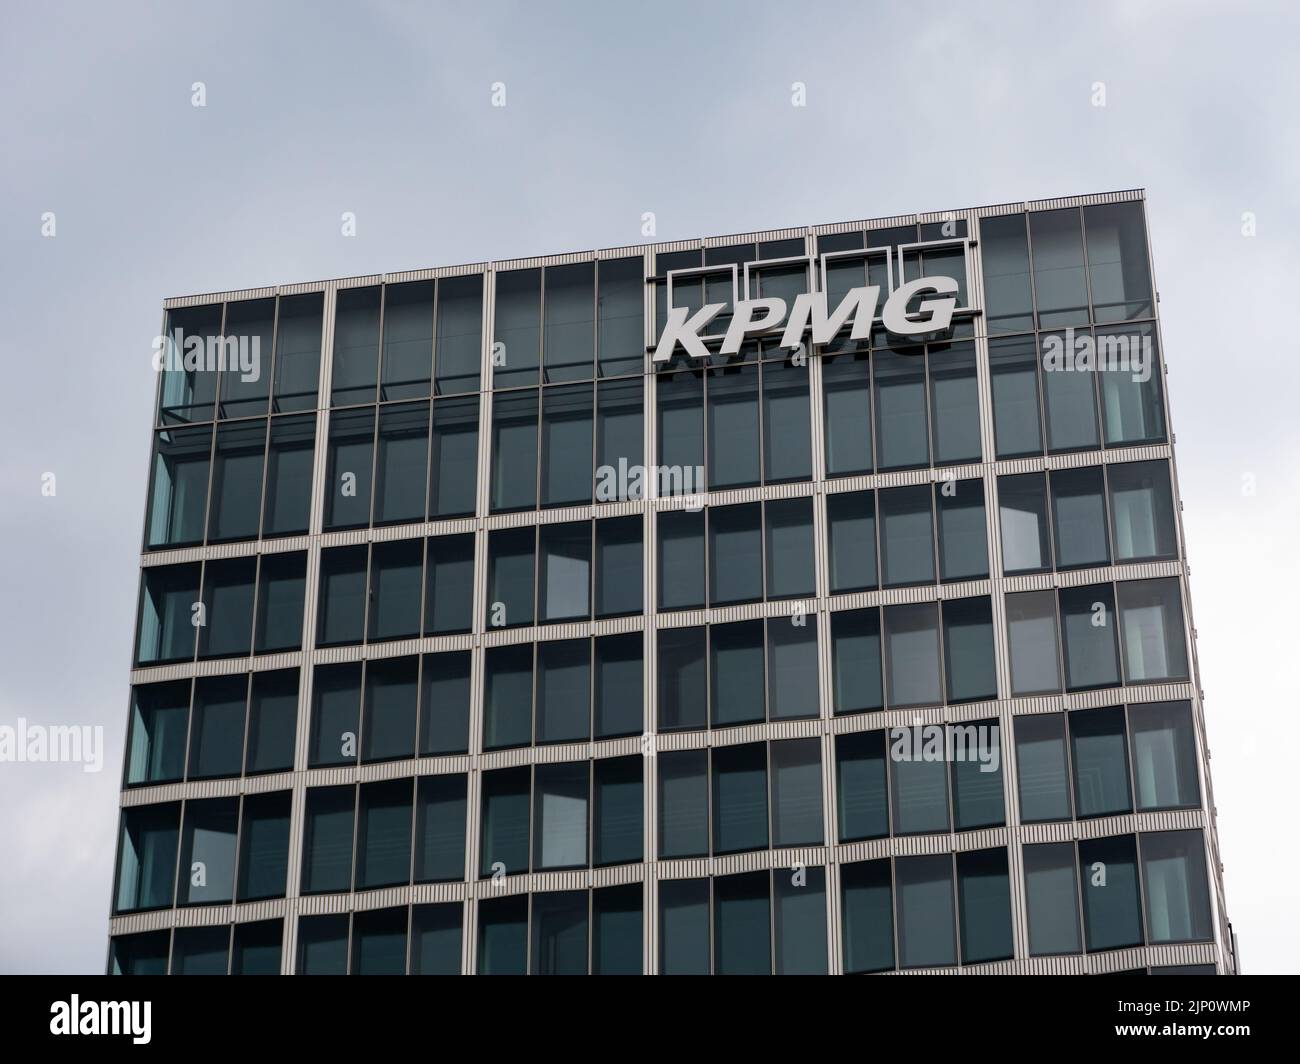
(954,402)
(616,814)
(207,859)
(742,935)
(619,439)
(256,947)
(379,942)
(272,722)
(789,548)
(436,939)
(1052,898)
(217,726)
(297,351)
(286,509)
(797,792)
(918,785)
(1088,634)
(323,944)
(348,469)
(189,394)
(236,504)
(846,387)
(440,809)
(618,566)
(1100,759)
(179,493)
(680,412)
(1151,623)
(503,935)
(459,331)
(851,521)
(200,950)
(453,457)
(963,548)
(1132,407)
(394,592)
(444,703)
(1042,767)
(282,584)
(514,451)
(563,691)
(616,930)
(508,696)
(449,591)
(559,933)
(968,649)
(356,345)
(620,316)
(566,443)
(1079,517)
(740,798)
(264,846)
(683,803)
(617,688)
(984,897)
(1022,513)
(384,834)
(146,862)
(868,913)
(912,655)
(1164,755)
(735,554)
(787,433)
(342,614)
(1060,282)
(564,571)
(906,536)
(792,667)
(902,434)
(1031,622)
(856,673)
(1117,261)
(226,628)
(1110,892)
(1013,364)
(733,427)
(510,576)
(166,632)
(391,695)
(1142,511)
(407,358)
(684,927)
(504,844)
(517,334)
(926,928)
(401,475)
(1177,891)
(159,719)
(327,840)
(736,673)
(976,774)
(799,921)
(681,559)
(862,789)
(1008,296)
(336,713)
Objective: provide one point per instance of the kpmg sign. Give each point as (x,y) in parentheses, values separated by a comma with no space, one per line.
(765,317)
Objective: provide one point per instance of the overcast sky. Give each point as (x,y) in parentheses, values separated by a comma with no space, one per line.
(612,110)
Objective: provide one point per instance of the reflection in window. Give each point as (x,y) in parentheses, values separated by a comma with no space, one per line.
(1151,620)
(1177,891)
(1164,755)
(1052,898)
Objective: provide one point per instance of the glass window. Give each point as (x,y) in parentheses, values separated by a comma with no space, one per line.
(851,520)
(1164,755)
(335,714)
(1004,252)
(379,942)
(918,782)
(264,846)
(739,798)
(236,503)
(503,847)
(1022,509)
(680,402)
(1100,761)
(217,726)
(1013,364)
(401,467)
(348,474)
(207,862)
(1128,359)
(1079,517)
(282,584)
(567,445)
(440,808)
(1151,620)
(906,536)
(926,931)
(517,336)
(618,566)
(1117,261)
(570,335)
(684,927)
(227,623)
(963,546)
(159,719)
(510,576)
(560,798)
(453,458)
(508,696)
(323,944)
(395,574)
(954,403)
(188,394)
(736,672)
(856,675)
(503,935)
(166,614)
(681,559)
(1041,765)
(256,948)
(797,792)
(789,540)
(683,685)
(984,897)
(1052,898)
(616,930)
(912,654)
(564,571)
(733,427)
(977,774)
(444,703)
(514,451)
(901,426)
(620,409)
(384,834)
(342,615)
(356,346)
(868,907)
(1110,892)
(787,433)
(618,686)
(846,384)
(1177,891)
(179,495)
(286,510)
(559,933)
(436,939)
(742,925)
(563,691)
(200,950)
(735,554)
(449,596)
(391,694)
(1031,624)
(620,320)
(327,840)
(146,862)
(616,813)
(1142,511)
(408,340)
(862,795)
(458,355)
(297,351)
(683,803)
(1069,390)
(1060,284)
(1088,630)
(792,689)
(968,649)
(272,722)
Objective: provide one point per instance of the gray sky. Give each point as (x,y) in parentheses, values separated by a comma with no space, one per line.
(683,109)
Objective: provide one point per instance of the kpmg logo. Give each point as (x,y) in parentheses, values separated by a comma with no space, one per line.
(760,317)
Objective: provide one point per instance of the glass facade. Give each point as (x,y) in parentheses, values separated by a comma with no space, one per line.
(518,651)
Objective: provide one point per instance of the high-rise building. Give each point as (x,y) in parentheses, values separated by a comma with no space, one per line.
(634,611)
